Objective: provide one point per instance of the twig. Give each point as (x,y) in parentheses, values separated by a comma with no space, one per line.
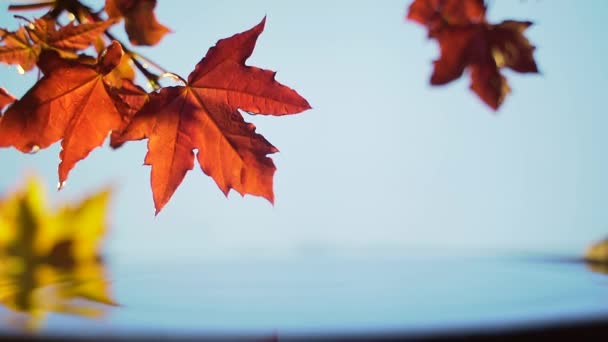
(28,7)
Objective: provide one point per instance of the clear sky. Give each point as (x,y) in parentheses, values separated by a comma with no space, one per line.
(382,161)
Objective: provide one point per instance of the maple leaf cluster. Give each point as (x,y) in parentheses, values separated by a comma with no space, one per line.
(468,41)
(81,99)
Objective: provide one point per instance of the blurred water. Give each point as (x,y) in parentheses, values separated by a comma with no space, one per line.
(331,294)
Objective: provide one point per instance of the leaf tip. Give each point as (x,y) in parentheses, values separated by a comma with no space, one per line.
(260,26)
(34,150)
(307,105)
(270,198)
(61,185)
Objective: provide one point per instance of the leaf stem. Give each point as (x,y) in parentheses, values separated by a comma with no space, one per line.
(152,77)
(16,16)
(175,77)
(149,61)
(28,7)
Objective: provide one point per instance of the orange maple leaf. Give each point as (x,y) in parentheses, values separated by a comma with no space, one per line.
(70,37)
(25,45)
(467,40)
(18,49)
(140,21)
(204,115)
(71,103)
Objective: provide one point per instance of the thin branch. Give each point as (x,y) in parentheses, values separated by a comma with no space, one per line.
(152,77)
(175,77)
(29,7)
(149,61)
(16,16)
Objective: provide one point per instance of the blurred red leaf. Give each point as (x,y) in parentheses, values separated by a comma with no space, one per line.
(467,41)
(204,115)
(436,14)
(140,21)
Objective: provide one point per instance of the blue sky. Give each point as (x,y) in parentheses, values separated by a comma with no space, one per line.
(382,161)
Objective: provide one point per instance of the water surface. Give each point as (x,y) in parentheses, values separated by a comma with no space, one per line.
(336,295)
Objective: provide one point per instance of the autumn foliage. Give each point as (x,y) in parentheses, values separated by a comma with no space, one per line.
(87,89)
(468,41)
(87,93)
(81,99)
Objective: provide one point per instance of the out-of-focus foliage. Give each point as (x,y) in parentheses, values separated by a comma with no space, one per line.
(596,257)
(467,41)
(140,21)
(49,260)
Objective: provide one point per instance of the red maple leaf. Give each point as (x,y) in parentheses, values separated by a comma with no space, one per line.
(467,41)
(71,103)
(204,115)
(140,21)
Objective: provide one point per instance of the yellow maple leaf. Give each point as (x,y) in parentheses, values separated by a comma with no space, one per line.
(50,260)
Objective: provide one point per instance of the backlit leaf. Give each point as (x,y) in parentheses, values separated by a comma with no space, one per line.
(24,46)
(204,115)
(18,49)
(71,103)
(70,37)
